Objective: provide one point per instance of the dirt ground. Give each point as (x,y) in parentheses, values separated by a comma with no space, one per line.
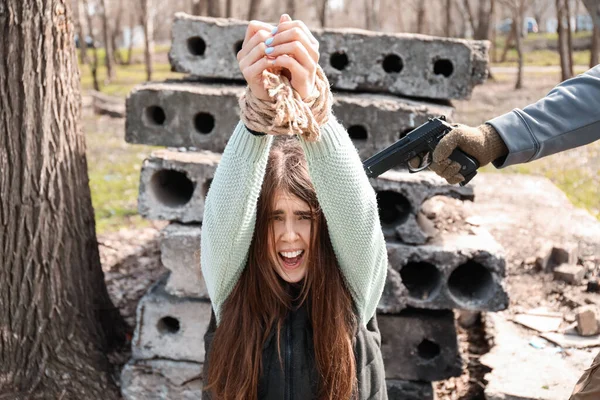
(523,213)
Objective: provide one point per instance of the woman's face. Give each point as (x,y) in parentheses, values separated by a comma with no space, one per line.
(289,245)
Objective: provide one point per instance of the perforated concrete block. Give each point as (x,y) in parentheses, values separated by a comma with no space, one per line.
(419,345)
(180,253)
(161,380)
(452,272)
(400,196)
(170,327)
(203,115)
(173,185)
(353,59)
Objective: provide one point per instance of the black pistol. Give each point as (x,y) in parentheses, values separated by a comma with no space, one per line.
(420,143)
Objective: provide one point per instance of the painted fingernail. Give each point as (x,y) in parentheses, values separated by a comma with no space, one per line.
(269,50)
(269,41)
(274,31)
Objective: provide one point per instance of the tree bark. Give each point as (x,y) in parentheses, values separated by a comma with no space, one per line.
(108,56)
(94,63)
(518,15)
(148,22)
(118,59)
(57,318)
(595,48)
(132,24)
(562,38)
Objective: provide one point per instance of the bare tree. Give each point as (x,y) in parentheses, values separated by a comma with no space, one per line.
(132,24)
(322,6)
(116,31)
(290,7)
(517,10)
(448,26)
(421,17)
(229,8)
(58,321)
(595,47)
(147,8)
(569,35)
(199,7)
(563,47)
(108,56)
(78,16)
(593,7)
(94,63)
(252,9)
(214,7)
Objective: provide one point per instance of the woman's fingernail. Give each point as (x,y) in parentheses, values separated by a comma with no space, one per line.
(274,31)
(269,41)
(269,50)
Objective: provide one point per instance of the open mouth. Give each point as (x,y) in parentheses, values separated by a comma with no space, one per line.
(291,259)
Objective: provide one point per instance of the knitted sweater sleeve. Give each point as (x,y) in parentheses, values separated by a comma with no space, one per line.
(230,213)
(350,207)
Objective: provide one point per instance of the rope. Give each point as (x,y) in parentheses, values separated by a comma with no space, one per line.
(287,113)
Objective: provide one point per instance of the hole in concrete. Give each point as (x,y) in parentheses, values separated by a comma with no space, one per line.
(155,115)
(471,282)
(358,132)
(392,63)
(394,209)
(171,188)
(404,133)
(421,279)
(206,186)
(168,325)
(204,122)
(196,45)
(428,349)
(339,60)
(443,67)
(237,47)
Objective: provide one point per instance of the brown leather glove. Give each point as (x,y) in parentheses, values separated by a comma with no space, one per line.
(482,142)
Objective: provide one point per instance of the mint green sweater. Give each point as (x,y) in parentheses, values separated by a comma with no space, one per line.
(345,195)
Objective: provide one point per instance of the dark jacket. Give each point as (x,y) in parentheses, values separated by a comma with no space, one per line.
(298,379)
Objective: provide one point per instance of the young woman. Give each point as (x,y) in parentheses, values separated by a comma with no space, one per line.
(292,251)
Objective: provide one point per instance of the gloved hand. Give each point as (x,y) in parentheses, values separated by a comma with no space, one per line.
(482,142)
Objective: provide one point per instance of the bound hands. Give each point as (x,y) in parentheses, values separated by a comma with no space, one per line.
(289,49)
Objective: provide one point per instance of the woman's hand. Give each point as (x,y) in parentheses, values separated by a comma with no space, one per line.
(289,49)
(295,49)
(252,58)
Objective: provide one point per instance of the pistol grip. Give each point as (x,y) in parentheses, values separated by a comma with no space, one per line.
(468,164)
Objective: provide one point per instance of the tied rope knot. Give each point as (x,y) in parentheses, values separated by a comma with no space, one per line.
(287,113)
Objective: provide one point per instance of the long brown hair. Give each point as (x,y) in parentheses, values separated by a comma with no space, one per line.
(260,302)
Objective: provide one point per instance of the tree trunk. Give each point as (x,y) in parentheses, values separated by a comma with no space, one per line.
(214,8)
(199,7)
(57,318)
(94,63)
(593,7)
(469,13)
(562,38)
(421,16)
(252,9)
(291,8)
(78,11)
(229,8)
(518,18)
(448,30)
(509,39)
(132,24)
(108,56)
(323,13)
(118,59)
(595,48)
(148,22)
(486,9)
(569,36)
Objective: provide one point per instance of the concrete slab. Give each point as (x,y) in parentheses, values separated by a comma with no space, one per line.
(180,253)
(463,271)
(409,390)
(419,345)
(203,115)
(359,60)
(522,372)
(170,327)
(173,185)
(161,380)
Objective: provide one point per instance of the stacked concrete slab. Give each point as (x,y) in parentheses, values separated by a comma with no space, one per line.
(428,276)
